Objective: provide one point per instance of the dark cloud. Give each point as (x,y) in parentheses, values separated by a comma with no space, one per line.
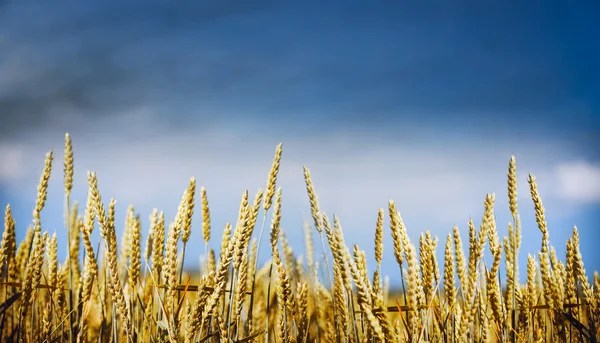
(74,59)
(346,62)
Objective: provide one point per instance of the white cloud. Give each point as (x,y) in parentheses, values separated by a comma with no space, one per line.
(11,162)
(579,181)
(434,186)
(141,161)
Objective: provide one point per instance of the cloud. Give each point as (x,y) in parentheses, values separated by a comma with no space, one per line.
(11,162)
(436,180)
(354,65)
(91,60)
(140,162)
(579,181)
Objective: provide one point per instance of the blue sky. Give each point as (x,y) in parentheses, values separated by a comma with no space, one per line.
(423,104)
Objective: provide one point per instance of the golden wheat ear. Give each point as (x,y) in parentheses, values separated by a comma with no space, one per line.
(100,293)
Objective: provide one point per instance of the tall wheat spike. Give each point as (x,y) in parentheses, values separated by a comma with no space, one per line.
(109,290)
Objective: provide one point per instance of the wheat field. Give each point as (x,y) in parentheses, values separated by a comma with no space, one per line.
(134,289)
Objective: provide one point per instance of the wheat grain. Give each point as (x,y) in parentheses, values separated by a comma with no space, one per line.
(113,300)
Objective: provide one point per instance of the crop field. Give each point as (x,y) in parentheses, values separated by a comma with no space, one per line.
(133,288)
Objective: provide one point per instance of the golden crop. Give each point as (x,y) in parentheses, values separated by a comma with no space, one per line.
(134,289)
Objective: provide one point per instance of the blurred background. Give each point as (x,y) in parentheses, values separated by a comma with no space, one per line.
(380,99)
